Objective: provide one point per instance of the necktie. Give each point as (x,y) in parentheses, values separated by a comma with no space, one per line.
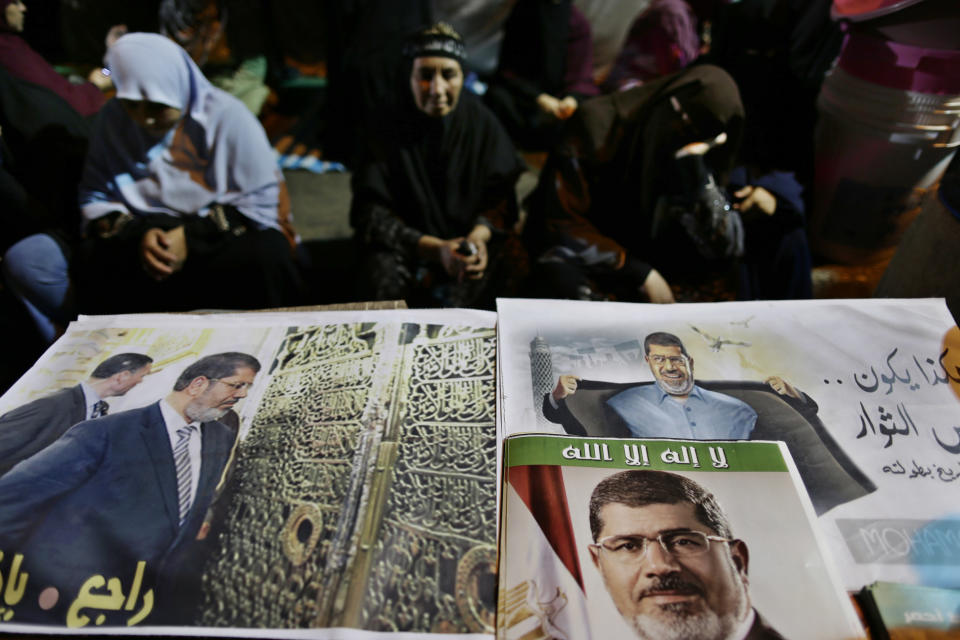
(181,458)
(99,409)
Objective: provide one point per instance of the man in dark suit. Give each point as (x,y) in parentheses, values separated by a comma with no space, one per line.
(36,425)
(127,488)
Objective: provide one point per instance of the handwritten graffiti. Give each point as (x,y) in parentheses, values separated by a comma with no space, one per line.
(916,470)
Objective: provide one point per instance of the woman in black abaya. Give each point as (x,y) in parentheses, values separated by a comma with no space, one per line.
(434,202)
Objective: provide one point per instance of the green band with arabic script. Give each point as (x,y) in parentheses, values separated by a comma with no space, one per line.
(689,455)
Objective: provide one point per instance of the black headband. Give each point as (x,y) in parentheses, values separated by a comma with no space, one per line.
(436,45)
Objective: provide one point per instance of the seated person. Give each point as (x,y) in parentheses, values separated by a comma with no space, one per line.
(662,40)
(363,43)
(634,196)
(21,61)
(677,405)
(673,407)
(434,201)
(181,179)
(43,142)
(594,226)
(208,32)
(778,53)
(776,264)
(183,203)
(544,71)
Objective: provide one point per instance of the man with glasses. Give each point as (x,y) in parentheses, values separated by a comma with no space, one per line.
(674,407)
(669,560)
(128,487)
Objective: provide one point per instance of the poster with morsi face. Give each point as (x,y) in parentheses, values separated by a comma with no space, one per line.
(661,539)
(316,475)
(865,393)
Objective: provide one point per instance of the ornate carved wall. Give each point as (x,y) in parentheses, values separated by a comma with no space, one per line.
(364,493)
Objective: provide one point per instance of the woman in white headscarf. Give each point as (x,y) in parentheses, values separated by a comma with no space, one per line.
(183,204)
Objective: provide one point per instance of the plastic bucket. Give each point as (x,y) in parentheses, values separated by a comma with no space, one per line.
(867,9)
(878,149)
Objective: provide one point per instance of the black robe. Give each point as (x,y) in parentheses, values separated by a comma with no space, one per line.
(43,144)
(439,177)
(594,204)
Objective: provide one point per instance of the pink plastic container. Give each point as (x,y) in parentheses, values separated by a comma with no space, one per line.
(889,124)
(867,9)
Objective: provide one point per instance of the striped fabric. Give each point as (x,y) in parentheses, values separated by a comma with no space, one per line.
(181,458)
(100,408)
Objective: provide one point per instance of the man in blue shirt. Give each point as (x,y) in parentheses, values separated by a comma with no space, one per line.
(673,407)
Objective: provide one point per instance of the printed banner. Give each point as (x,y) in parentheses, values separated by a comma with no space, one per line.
(318,475)
(662,539)
(864,393)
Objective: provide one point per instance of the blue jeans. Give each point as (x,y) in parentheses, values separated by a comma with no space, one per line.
(36,271)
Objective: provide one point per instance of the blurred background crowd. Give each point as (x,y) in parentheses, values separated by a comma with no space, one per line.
(171,155)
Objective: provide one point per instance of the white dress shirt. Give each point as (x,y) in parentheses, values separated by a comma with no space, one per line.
(90,397)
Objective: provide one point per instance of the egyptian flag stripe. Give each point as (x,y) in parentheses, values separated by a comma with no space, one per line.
(541,489)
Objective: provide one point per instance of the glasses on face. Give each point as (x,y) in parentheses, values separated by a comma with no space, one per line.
(676,361)
(236,386)
(679,544)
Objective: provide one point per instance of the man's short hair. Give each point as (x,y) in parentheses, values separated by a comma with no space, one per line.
(120,362)
(663,339)
(218,365)
(643,487)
